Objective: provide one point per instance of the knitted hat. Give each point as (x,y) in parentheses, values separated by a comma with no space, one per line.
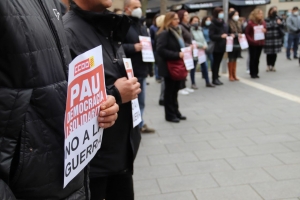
(160,20)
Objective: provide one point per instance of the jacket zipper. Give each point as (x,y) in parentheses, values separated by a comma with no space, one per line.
(55,36)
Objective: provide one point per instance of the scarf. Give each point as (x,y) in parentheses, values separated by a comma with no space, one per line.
(177,32)
(235,26)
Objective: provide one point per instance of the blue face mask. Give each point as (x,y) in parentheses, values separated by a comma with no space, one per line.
(288,14)
(221,15)
(207,23)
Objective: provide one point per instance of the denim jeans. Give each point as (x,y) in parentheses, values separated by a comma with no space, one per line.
(292,39)
(204,70)
(141,98)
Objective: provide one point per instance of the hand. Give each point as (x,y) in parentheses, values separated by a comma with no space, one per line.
(108,112)
(224,35)
(128,89)
(264,30)
(240,35)
(204,47)
(138,47)
(278,21)
(232,35)
(181,55)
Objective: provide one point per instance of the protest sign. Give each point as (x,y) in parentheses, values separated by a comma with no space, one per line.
(147,51)
(201,56)
(229,44)
(243,42)
(86,91)
(258,32)
(136,112)
(188,58)
(195,48)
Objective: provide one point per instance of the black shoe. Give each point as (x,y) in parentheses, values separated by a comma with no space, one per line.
(289,58)
(220,83)
(210,85)
(161,102)
(175,120)
(296,57)
(182,117)
(215,83)
(256,76)
(253,77)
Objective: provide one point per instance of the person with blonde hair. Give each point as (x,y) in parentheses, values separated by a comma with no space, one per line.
(168,47)
(256,19)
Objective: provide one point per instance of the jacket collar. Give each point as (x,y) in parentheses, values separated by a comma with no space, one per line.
(218,22)
(107,23)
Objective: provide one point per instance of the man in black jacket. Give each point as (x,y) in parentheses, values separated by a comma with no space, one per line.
(34,62)
(88,24)
(133,48)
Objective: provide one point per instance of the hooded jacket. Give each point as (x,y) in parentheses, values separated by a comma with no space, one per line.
(34,59)
(86,30)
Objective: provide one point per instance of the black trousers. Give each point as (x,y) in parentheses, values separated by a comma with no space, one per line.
(216,64)
(116,187)
(271,59)
(171,102)
(254,52)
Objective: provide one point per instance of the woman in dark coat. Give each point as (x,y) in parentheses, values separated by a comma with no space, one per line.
(168,46)
(274,35)
(235,30)
(218,34)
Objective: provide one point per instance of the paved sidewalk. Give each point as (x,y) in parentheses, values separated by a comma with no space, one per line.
(239,142)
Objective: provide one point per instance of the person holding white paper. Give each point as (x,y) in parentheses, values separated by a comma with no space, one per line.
(256,18)
(134,50)
(201,45)
(235,30)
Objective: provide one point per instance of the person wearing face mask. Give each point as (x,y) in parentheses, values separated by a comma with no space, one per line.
(235,30)
(201,44)
(293,26)
(218,34)
(187,37)
(255,46)
(205,24)
(133,50)
(274,36)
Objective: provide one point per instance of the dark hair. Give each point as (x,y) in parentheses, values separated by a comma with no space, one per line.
(180,14)
(216,12)
(231,14)
(270,10)
(296,8)
(194,18)
(204,20)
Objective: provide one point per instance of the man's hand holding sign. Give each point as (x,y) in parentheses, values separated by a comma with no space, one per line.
(108,112)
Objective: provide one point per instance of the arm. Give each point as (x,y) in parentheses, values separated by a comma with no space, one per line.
(249,34)
(161,47)
(200,40)
(290,25)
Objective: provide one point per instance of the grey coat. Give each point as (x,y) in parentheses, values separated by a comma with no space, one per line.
(293,23)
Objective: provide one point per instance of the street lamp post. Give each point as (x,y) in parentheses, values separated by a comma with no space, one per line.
(225,9)
(163,7)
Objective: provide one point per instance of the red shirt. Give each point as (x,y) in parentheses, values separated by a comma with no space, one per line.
(249,32)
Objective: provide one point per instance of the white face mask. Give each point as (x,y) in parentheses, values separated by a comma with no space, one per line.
(236,18)
(137,13)
(296,13)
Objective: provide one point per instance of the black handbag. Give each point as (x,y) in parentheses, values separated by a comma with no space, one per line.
(210,47)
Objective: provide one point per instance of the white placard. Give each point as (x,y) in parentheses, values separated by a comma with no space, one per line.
(147,50)
(86,91)
(229,44)
(195,49)
(258,32)
(188,58)
(136,112)
(243,42)
(201,56)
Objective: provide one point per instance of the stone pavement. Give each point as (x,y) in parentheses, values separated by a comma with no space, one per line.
(239,142)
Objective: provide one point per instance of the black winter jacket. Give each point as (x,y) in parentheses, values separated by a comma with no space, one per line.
(140,68)
(167,48)
(86,30)
(216,29)
(33,89)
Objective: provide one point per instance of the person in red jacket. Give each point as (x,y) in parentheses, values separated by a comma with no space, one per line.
(255,33)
